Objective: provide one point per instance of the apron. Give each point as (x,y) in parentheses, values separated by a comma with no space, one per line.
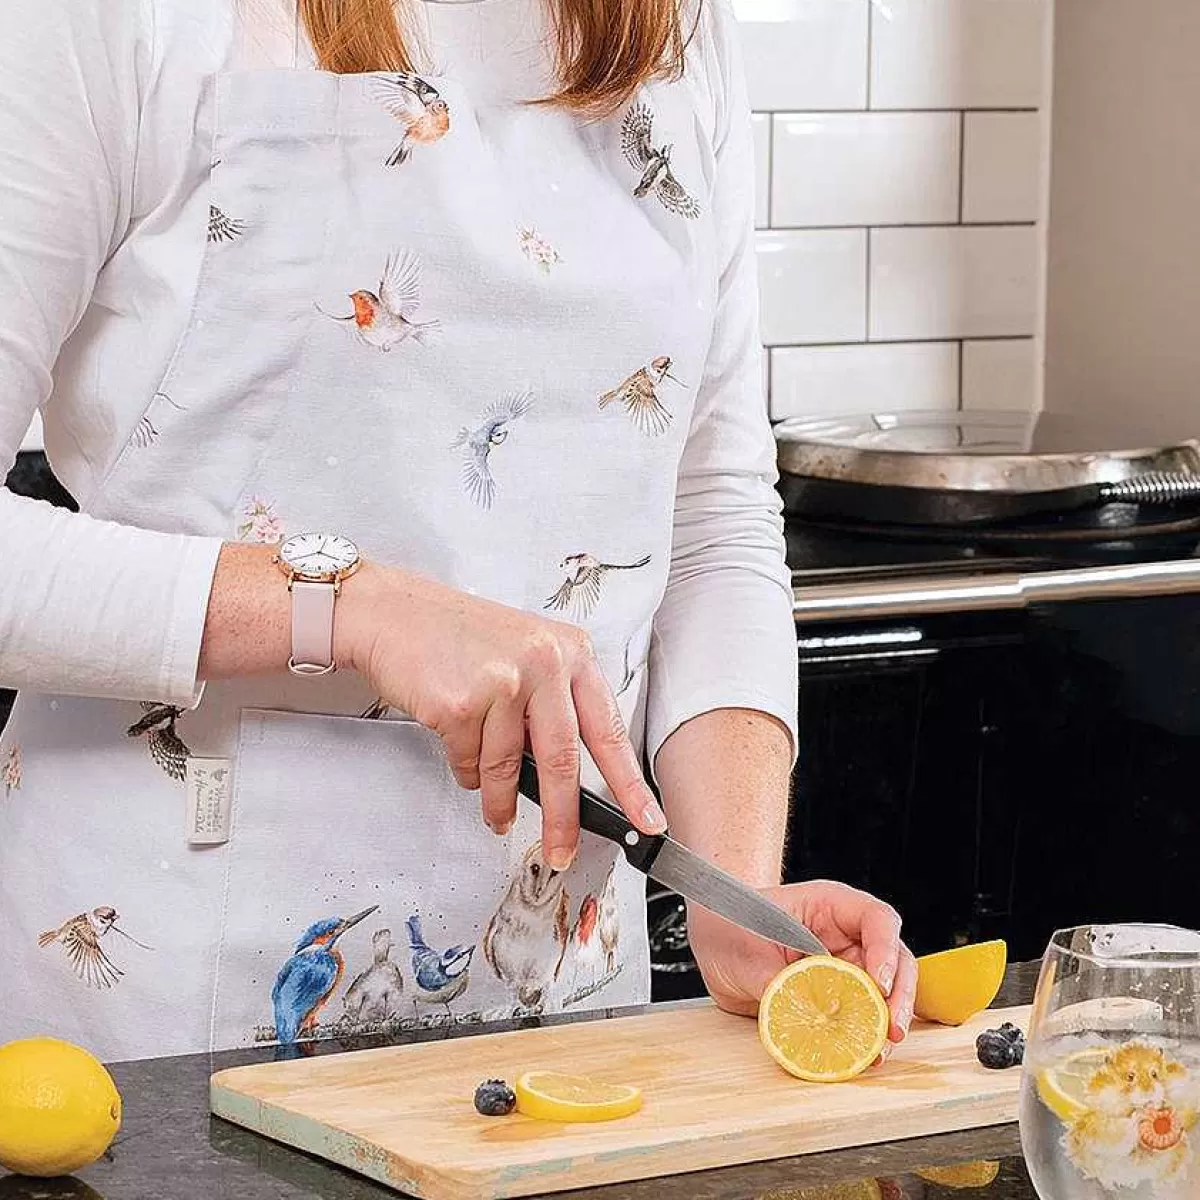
(437,321)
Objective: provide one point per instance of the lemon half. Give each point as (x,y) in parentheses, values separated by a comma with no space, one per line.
(823,1020)
(956,985)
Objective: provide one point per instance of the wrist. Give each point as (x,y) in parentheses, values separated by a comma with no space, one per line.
(357,615)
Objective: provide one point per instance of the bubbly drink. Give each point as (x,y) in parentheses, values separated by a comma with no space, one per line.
(1113,1115)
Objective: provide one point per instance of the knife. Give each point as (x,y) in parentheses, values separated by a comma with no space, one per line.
(676,867)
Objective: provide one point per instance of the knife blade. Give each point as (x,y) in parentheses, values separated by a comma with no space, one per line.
(676,867)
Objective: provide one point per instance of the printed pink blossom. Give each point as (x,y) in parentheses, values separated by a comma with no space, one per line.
(259,522)
(538,250)
(11,773)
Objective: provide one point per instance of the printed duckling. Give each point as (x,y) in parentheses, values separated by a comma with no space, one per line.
(525,940)
(440,976)
(375,993)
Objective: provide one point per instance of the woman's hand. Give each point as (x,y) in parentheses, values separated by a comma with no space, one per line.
(480,675)
(737,966)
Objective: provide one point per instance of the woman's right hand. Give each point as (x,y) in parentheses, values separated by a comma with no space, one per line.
(482,675)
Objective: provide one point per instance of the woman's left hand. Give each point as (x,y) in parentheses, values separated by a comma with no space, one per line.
(737,966)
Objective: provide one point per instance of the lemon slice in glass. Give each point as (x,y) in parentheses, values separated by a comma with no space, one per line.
(1063,1086)
(550,1096)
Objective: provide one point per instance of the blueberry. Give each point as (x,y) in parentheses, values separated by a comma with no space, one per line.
(494,1098)
(1011,1032)
(998,1050)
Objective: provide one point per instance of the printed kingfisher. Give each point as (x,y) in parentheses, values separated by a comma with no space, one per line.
(307,980)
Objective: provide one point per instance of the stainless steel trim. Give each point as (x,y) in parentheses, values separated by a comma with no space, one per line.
(847,601)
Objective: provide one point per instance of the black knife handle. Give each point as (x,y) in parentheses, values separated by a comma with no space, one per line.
(601,818)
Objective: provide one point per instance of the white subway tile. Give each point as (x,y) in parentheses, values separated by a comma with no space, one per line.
(762,170)
(813,285)
(972,281)
(1000,375)
(829,380)
(1001,166)
(804,53)
(958,53)
(866,169)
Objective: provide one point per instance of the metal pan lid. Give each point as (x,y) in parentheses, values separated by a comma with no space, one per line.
(997,451)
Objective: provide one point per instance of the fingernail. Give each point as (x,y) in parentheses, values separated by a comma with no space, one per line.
(559,859)
(500,828)
(887,977)
(655,818)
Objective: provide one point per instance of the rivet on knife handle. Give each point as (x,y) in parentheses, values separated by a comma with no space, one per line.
(601,818)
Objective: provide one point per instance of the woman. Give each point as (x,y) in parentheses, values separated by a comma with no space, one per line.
(461,303)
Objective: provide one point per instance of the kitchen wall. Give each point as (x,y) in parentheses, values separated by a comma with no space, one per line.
(1124,243)
(901,179)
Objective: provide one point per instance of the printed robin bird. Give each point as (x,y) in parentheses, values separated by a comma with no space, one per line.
(580,593)
(418,106)
(654,163)
(165,745)
(374,995)
(80,938)
(639,394)
(527,935)
(584,951)
(477,445)
(387,318)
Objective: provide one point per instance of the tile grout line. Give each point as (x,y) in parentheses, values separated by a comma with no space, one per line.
(770,170)
(795,110)
(907,225)
(962,348)
(867,290)
(917,341)
(962,165)
(870,48)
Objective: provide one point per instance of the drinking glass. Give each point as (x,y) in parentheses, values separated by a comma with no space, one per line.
(1110,1092)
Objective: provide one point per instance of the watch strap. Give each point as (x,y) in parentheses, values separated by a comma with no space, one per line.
(312,628)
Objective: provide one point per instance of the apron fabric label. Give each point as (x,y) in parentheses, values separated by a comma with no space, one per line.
(209,795)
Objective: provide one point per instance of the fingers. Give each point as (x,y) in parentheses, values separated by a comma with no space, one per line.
(462,740)
(904,992)
(604,734)
(554,736)
(501,746)
(863,920)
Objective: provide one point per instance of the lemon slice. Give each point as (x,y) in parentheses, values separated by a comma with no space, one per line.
(962,1175)
(549,1096)
(1063,1087)
(955,985)
(823,1020)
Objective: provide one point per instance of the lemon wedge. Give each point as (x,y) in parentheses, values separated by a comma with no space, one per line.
(956,985)
(550,1096)
(962,1175)
(823,1020)
(1063,1086)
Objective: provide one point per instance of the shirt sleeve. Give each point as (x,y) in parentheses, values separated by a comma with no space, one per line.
(87,607)
(724,635)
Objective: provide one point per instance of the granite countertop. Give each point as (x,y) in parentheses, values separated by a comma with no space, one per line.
(170,1148)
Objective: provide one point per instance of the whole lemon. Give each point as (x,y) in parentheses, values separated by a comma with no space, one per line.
(59,1108)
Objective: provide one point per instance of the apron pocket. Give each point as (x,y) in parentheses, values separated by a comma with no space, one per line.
(364,894)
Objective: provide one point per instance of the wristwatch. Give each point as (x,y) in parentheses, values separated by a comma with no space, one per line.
(315,565)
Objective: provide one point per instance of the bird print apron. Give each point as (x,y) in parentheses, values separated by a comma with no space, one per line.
(466,333)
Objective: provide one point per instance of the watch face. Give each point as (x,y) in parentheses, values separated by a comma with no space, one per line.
(319,553)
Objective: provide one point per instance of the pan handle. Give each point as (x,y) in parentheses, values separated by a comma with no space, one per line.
(1155,487)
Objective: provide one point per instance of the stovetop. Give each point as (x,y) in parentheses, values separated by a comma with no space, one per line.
(821,552)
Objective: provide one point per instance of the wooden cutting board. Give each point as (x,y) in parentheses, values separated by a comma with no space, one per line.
(713,1098)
